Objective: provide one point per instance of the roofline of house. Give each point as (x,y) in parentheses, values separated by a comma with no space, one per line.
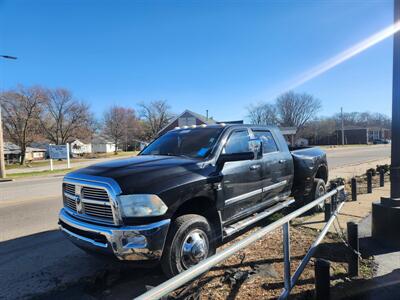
(177,117)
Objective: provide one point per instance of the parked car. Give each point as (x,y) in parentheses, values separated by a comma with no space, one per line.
(381,141)
(186,193)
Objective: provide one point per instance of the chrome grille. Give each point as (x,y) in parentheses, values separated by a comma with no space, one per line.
(95,202)
(70,203)
(98,211)
(94,194)
(69,188)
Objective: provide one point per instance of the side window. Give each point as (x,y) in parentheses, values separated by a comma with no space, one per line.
(269,144)
(238,142)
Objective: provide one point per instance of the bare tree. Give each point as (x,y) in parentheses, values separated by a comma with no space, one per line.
(322,129)
(65,117)
(263,114)
(296,110)
(364,119)
(120,124)
(21,109)
(156,115)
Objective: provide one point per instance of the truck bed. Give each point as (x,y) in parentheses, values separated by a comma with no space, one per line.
(309,163)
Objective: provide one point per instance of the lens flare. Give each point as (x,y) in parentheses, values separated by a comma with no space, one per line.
(344,56)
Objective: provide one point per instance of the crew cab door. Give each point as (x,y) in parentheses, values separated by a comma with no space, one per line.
(275,168)
(241,182)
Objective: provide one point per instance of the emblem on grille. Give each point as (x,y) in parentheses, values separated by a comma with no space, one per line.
(79,207)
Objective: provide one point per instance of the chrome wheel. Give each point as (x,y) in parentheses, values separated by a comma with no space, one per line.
(195,248)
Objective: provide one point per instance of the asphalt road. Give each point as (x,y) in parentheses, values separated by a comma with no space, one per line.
(36,259)
(340,157)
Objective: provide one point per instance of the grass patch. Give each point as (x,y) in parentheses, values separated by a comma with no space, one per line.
(40,173)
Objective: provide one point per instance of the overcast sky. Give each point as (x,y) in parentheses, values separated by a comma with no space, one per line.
(215,55)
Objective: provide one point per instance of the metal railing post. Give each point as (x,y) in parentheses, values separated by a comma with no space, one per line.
(322,279)
(333,202)
(354,189)
(381,177)
(328,211)
(352,239)
(286,256)
(369,182)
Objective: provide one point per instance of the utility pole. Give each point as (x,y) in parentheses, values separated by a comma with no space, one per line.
(395,170)
(386,214)
(341,113)
(2,163)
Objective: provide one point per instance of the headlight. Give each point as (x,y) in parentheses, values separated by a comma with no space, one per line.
(142,205)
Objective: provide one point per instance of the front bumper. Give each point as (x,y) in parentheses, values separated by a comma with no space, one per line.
(135,243)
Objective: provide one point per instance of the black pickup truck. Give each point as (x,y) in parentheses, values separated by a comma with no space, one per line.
(186,192)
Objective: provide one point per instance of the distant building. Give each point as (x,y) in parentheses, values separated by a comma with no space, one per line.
(33,154)
(353,136)
(102,144)
(79,148)
(289,133)
(363,135)
(187,118)
(12,153)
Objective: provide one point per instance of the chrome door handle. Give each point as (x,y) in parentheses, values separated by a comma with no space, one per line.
(281,161)
(255,167)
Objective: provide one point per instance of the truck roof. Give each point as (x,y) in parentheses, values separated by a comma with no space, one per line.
(228,126)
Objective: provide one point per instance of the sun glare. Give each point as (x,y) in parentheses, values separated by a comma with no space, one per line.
(344,56)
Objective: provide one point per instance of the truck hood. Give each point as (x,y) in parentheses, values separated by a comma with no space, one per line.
(145,173)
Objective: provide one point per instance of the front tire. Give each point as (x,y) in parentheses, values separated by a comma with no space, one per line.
(189,241)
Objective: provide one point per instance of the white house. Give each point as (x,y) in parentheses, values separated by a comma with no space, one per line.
(33,153)
(78,147)
(101,144)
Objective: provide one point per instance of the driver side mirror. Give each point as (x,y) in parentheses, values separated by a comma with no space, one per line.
(223,158)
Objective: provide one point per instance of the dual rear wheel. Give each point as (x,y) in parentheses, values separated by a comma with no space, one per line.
(318,190)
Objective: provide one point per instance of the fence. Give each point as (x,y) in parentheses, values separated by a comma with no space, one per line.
(289,281)
(373,178)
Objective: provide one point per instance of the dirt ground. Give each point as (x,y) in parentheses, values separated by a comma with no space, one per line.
(257,271)
(254,273)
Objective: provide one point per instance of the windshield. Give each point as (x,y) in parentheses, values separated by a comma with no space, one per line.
(193,143)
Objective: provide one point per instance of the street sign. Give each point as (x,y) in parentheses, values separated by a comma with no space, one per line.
(58,151)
